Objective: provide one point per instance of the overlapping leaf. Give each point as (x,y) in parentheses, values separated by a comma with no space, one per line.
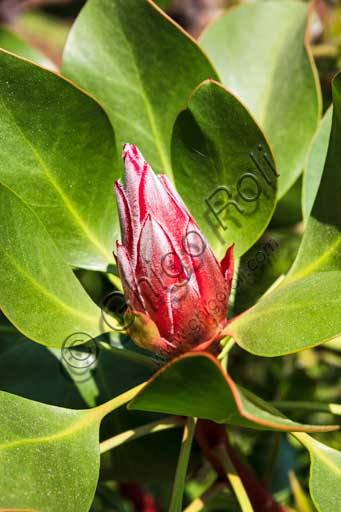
(321,245)
(315,164)
(49,456)
(325,473)
(140,65)
(58,154)
(304,310)
(12,42)
(178,389)
(219,152)
(260,53)
(49,460)
(297,316)
(38,291)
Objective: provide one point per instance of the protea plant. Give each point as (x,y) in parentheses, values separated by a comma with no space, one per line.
(174,286)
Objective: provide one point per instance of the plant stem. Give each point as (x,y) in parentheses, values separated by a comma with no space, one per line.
(143,430)
(303,504)
(104,409)
(214,443)
(235,480)
(181,470)
(325,50)
(129,355)
(199,503)
(308,406)
(227,347)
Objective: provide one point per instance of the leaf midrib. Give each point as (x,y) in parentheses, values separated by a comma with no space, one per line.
(86,421)
(297,305)
(315,264)
(44,291)
(65,199)
(149,110)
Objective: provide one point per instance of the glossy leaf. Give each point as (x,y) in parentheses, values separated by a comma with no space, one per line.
(49,460)
(13,43)
(49,456)
(219,152)
(38,291)
(260,53)
(54,379)
(325,474)
(138,460)
(315,163)
(58,155)
(320,249)
(297,316)
(140,65)
(178,389)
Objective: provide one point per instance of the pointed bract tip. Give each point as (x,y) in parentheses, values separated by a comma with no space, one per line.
(130,150)
(133,159)
(117,185)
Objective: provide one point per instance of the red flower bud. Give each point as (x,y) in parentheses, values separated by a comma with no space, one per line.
(172,281)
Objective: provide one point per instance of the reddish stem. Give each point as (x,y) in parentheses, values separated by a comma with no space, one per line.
(140,499)
(212,439)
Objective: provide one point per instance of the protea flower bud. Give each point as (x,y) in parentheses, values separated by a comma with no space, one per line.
(173,284)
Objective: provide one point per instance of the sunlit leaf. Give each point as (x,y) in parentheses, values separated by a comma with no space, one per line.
(223,168)
(297,316)
(178,388)
(315,163)
(38,291)
(321,245)
(140,65)
(325,474)
(49,457)
(260,52)
(58,154)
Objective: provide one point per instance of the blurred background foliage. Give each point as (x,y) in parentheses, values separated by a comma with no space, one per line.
(313,375)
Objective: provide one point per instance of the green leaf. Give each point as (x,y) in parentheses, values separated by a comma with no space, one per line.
(315,163)
(38,291)
(219,152)
(138,460)
(178,389)
(182,466)
(140,65)
(58,154)
(49,456)
(297,316)
(321,244)
(49,460)
(260,52)
(13,43)
(325,474)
